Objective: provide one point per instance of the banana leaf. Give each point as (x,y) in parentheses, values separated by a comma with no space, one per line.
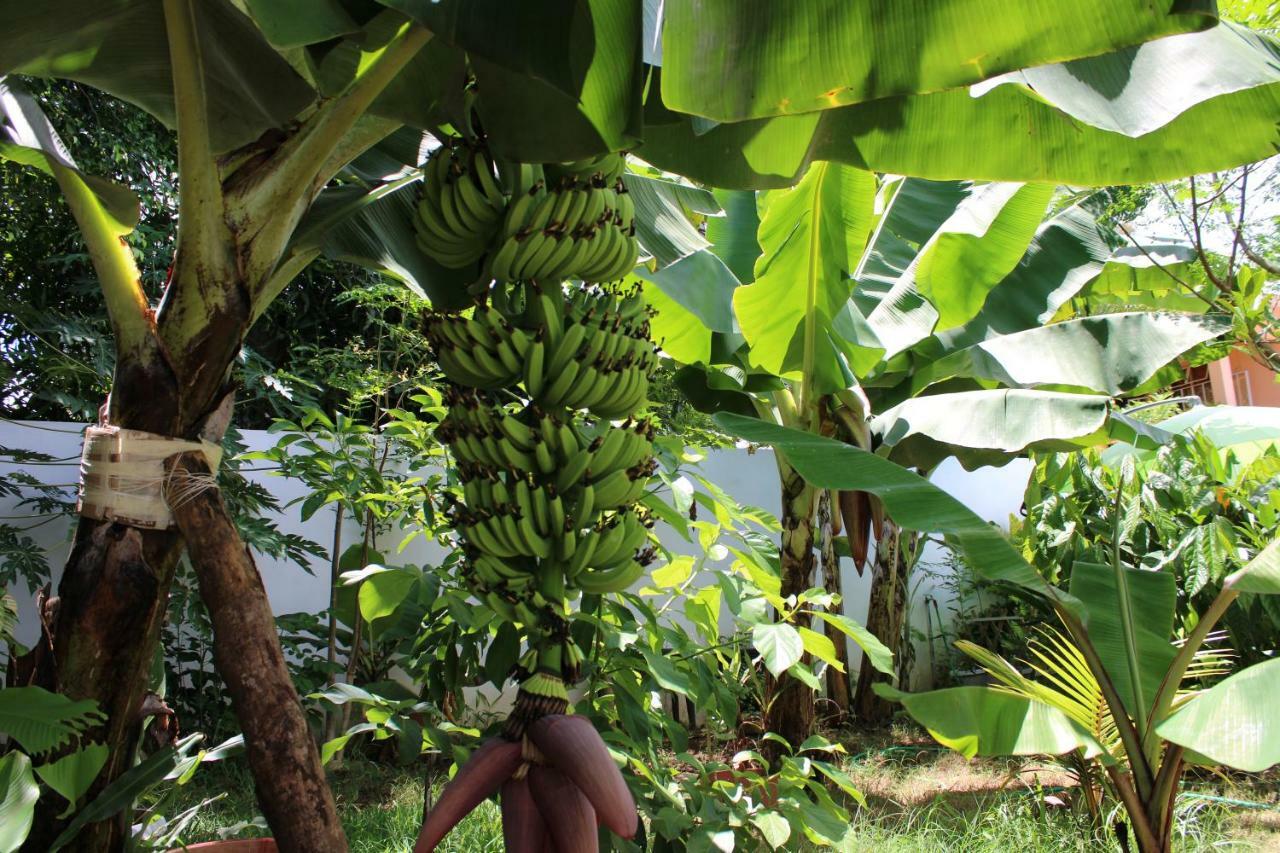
(1234,722)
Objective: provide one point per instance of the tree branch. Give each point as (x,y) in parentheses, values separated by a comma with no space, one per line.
(1195,225)
(1163,268)
(1235,244)
(1269,266)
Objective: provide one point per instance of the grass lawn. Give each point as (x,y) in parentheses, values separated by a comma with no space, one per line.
(919,798)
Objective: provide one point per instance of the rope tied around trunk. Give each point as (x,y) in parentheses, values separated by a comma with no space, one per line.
(123,477)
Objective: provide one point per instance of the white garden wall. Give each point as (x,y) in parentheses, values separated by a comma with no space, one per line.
(751,478)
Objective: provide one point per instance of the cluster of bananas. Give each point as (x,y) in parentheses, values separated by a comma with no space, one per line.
(549,496)
(533,222)
(592,352)
(573,227)
(462,204)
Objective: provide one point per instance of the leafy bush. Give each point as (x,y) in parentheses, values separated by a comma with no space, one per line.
(1194,511)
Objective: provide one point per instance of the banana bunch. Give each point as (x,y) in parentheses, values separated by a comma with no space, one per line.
(553,456)
(596,355)
(462,204)
(580,225)
(481,351)
(547,509)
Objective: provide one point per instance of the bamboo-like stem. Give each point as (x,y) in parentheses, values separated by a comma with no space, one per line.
(331,650)
(1127,629)
(788,410)
(1165,793)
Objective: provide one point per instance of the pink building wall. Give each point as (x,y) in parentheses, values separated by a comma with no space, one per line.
(1238,380)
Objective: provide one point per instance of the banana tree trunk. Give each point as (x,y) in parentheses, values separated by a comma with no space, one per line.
(790,704)
(114,592)
(292,791)
(837,679)
(886,612)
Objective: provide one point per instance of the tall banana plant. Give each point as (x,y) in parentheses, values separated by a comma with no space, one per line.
(909,317)
(1120,620)
(270,106)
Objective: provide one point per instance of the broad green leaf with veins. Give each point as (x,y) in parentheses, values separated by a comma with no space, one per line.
(948,280)
(1233,722)
(769,59)
(812,237)
(903,134)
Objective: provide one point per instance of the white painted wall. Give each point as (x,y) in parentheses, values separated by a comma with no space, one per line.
(993,493)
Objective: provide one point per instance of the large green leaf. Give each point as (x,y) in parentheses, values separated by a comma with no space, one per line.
(948,280)
(707,391)
(1178,72)
(381,592)
(877,653)
(1152,595)
(71,775)
(374,228)
(904,135)
(1234,722)
(779,646)
(1108,353)
(555,81)
(18,795)
(702,285)
(812,238)
(914,210)
(733,236)
(295,23)
(925,430)
(425,93)
(27,137)
(1261,575)
(912,501)
(1065,255)
(662,224)
(732,60)
(1148,276)
(39,720)
(970,256)
(681,333)
(559,42)
(984,721)
(120,46)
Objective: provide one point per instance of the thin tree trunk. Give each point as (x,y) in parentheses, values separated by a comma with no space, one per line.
(353,658)
(790,704)
(837,680)
(886,611)
(292,790)
(332,716)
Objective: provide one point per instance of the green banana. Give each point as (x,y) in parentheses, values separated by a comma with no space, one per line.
(554,393)
(568,347)
(615,579)
(533,374)
(572,470)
